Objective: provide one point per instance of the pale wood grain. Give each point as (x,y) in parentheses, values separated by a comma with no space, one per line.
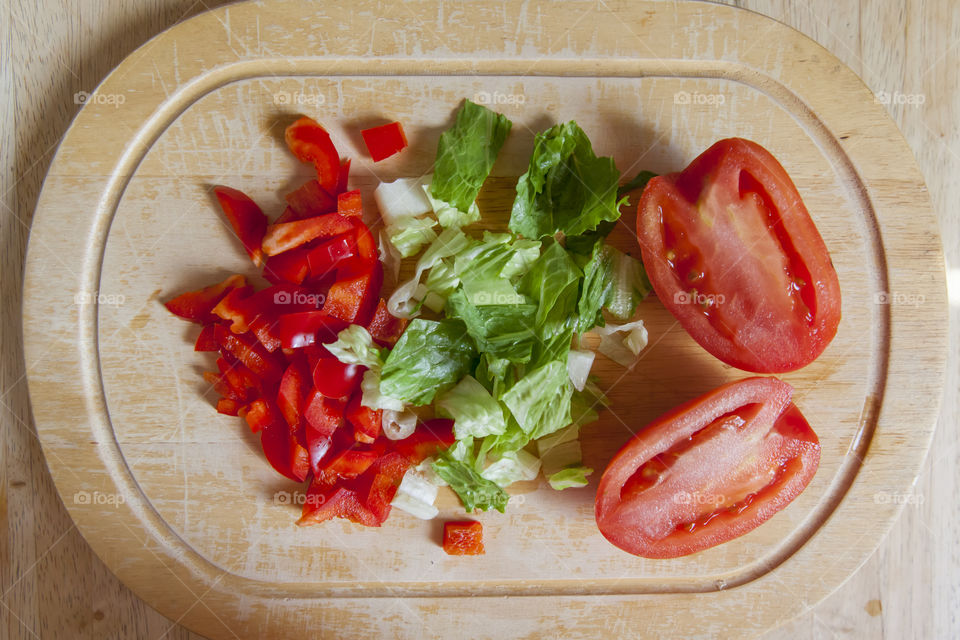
(35,520)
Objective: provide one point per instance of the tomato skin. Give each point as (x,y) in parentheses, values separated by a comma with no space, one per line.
(757,456)
(733,254)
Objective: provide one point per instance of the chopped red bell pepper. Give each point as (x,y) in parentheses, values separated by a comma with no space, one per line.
(353,297)
(344,176)
(248,351)
(244,385)
(318,446)
(384,328)
(197,306)
(246,218)
(290,235)
(261,413)
(324,258)
(288,215)
(325,415)
(366,422)
(289,266)
(324,502)
(377,486)
(428,438)
(335,379)
(366,246)
(347,464)
(384,141)
(234,309)
(310,142)
(206,340)
(283,452)
(228,407)
(350,204)
(299,330)
(293,389)
(463,538)
(311,200)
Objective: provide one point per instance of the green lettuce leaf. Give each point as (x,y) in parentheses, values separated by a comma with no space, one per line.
(553,283)
(466,153)
(355,346)
(474,411)
(540,400)
(500,331)
(570,477)
(475,491)
(566,187)
(430,357)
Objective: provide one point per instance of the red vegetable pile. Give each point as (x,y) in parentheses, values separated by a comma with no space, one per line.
(273,369)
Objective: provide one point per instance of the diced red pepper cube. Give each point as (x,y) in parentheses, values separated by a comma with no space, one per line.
(246,218)
(325,415)
(289,266)
(366,422)
(347,464)
(260,414)
(350,204)
(324,502)
(323,259)
(235,309)
(463,538)
(294,386)
(248,351)
(283,452)
(385,140)
(311,200)
(353,297)
(228,407)
(377,486)
(385,328)
(310,142)
(335,379)
(290,235)
(197,306)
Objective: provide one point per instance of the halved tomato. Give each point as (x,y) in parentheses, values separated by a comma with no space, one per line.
(733,254)
(708,471)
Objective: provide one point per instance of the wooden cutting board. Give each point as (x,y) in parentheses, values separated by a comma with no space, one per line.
(179,502)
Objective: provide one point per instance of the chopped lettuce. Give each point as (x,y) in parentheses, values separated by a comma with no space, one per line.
(512,466)
(473,410)
(566,188)
(448,215)
(409,237)
(475,491)
(502,331)
(430,357)
(404,302)
(355,346)
(570,477)
(623,343)
(630,285)
(553,282)
(597,288)
(466,153)
(540,400)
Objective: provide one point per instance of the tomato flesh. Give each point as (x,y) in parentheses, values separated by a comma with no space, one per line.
(732,252)
(711,470)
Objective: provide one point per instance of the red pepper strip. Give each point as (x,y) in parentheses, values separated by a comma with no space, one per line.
(221,386)
(318,445)
(324,258)
(247,350)
(384,328)
(262,327)
(234,309)
(463,538)
(347,464)
(384,141)
(350,204)
(311,200)
(241,380)
(310,142)
(324,502)
(228,407)
(290,235)
(366,246)
(377,486)
(246,218)
(324,415)
(344,176)
(299,330)
(334,379)
(288,215)
(429,438)
(290,267)
(353,297)
(197,306)
(206,341)
(286,298)
(261,413)
(282,450)
(366,422)
(293,390)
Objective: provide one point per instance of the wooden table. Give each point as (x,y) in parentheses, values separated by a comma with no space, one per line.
(52,585)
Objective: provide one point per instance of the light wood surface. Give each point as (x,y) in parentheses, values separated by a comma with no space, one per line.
(43,546)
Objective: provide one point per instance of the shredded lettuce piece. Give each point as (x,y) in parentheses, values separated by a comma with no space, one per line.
(355,346)
(404,302)
(623,343)
(448,215)
(630,285)
(597,288)
(512,466)
(566,188)
(475,491)
(502,331)
(553,282)
(540,400)
(401,201)
(570,477)
(579,363)
(429,357)
(416,495)
(409,237)
(473,410)
(466,153)
(373,397)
